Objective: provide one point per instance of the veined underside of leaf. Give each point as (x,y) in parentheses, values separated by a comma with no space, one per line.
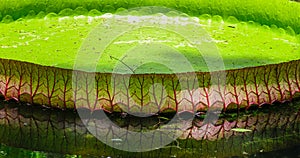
(50,86)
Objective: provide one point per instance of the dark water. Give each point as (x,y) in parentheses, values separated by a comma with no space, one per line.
(292,152)
(11,152)
(280,121)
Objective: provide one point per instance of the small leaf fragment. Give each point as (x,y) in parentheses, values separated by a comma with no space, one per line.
(242,130)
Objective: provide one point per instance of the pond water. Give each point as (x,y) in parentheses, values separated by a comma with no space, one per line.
(273,131)
(7,151)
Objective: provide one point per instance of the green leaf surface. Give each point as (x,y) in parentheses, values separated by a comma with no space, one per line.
(55,41)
